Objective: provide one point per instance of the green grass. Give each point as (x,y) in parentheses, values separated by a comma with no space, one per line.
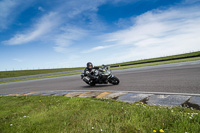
(58,114)
(159,58)
(156,63)
(8,74)
(51,76)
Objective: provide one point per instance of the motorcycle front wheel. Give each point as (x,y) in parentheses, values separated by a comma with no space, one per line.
(114,81)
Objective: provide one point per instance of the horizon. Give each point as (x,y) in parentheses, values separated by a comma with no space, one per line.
(68,34)
(95,65)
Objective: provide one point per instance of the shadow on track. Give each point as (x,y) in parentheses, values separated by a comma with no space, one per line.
(96,86)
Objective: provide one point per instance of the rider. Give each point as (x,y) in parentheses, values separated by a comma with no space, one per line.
(90,71)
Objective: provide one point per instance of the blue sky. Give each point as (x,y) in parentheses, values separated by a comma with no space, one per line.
(68,33)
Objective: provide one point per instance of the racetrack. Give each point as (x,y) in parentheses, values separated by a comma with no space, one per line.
(173,78)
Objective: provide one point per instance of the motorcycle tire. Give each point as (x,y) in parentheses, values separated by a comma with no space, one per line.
(92,84)
(114,81)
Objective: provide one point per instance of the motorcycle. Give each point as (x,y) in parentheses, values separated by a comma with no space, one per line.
(103,75)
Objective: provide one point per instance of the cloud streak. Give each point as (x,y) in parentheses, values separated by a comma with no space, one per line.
(97,48)
(44,25)
(18,60)
(157,33)
(51,25)
(68,37)
(9,9)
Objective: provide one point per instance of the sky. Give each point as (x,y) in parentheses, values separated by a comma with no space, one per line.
(48,34)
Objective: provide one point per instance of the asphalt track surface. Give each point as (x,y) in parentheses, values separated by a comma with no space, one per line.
(173,78)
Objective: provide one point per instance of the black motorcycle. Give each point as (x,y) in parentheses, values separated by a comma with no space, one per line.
(103,75)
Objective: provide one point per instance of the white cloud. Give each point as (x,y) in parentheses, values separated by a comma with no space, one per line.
(44,25)
(5,10)
(41,9)
(18,60)
(77,7)
(157,33)
(9,9)
(97,48)
(84,13)
(190,1)
(68,37)
(51,25)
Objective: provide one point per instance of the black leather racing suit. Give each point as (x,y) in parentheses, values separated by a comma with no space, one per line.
(90,74)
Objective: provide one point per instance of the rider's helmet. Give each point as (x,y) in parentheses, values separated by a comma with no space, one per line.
(89,65)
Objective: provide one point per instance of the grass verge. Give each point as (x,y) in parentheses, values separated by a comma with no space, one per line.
(8,74)
(43,77)
(61,114)
(159,59)
(157,63)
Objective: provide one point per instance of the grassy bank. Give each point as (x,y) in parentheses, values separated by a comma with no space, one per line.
(156,63)
(160,59)
(43,77)
(8,74)
(62,114)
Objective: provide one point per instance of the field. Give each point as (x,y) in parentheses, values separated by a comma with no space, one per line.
(156,63)
(8,74)
(63,114)
(160,59)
